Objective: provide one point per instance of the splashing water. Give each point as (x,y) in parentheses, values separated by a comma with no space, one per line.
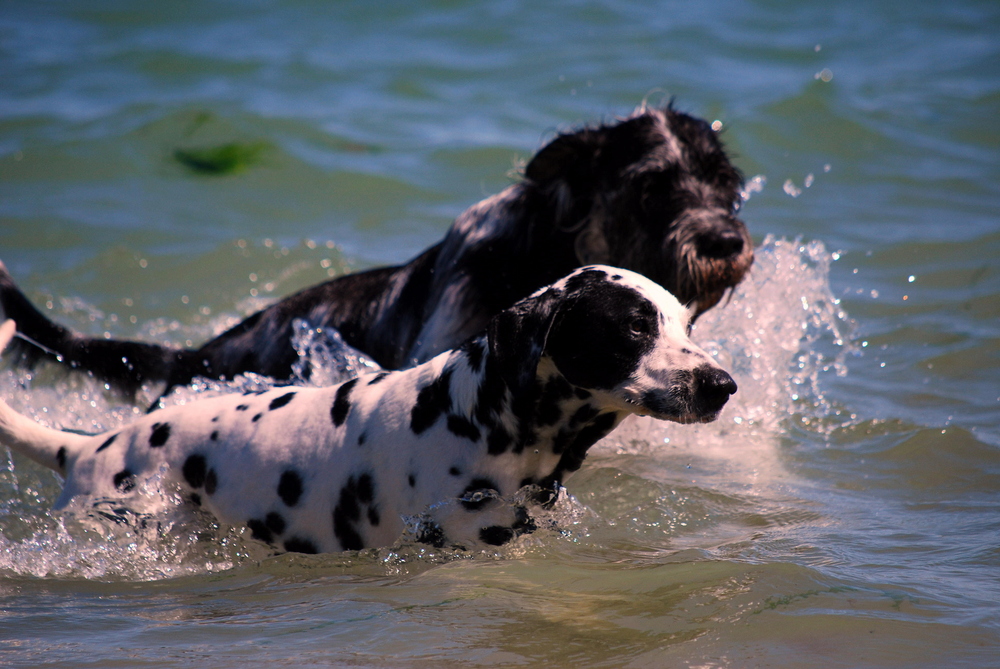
(780,334)
(324,357)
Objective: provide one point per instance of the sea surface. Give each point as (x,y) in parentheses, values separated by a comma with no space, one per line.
(167,168)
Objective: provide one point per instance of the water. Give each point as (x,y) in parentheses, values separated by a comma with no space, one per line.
(841,513)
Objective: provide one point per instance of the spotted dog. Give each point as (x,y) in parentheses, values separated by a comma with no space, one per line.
(338,468)
(654,193)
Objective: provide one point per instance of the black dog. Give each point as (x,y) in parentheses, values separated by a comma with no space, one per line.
(654,193)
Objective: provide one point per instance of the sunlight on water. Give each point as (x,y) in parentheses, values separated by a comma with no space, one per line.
(779,335)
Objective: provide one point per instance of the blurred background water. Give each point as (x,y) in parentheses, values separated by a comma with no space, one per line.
(843,512)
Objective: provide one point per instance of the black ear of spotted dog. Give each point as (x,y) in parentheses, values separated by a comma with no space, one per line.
(594,328)
(517,338)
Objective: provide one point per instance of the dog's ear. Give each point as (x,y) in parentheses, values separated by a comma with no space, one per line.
(563,171)
(568,158)
(517,338)
(574,167)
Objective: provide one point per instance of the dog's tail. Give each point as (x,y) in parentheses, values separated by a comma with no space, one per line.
(126,365)
(42,444)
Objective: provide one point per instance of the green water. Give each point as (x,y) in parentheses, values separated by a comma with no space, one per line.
(168,168)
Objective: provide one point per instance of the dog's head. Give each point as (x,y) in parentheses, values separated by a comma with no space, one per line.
(654,193)
(617,334)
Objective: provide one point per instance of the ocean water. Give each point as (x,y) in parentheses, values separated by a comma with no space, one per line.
(843,512)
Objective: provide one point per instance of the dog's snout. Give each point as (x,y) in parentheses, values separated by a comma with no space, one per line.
(714,387)
(723,244)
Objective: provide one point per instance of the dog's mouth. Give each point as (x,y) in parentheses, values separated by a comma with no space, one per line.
(709,266)
(684,418)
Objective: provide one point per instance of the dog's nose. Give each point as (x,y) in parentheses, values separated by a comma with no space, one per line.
(714,387)
(720,244)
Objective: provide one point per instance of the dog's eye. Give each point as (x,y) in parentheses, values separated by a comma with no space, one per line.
(639,326)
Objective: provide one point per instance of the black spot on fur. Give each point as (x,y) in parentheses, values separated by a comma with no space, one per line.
(215,419)
(432,535)
(124,480)
(475,351)
(412,480)
(279,402)
(455,471)
(342,403)
(211,482)
(492,391)
(195,499)
(584,414)
(345,532)
(347,507)
(160,435)
(366,489)
(574,445)
(362,438)
(562,440)
(377,377)
(550,404)
(498,441)
(589,435)
(357,492)
(463,427)
(256,418)
(290,487)
(433,400)
(275,522)
(496,535)
(61,457)
(214,436)
(259,531)
(107,443)
(477,485)
(524,405)
(242,407)
(299,545)
(194,470)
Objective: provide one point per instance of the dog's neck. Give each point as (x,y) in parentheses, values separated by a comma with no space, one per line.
(549,426)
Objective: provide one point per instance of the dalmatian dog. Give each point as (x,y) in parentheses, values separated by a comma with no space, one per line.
(654,193)
(339,468)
